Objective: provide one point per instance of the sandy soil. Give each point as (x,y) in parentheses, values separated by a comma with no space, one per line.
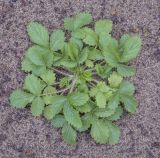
(23,136)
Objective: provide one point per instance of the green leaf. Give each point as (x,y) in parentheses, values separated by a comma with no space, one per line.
(83,57)
(77,22)
(38,34)
(105,112)
(101,100)
(90,37)
(48,77)
(103,26)
(114,133)
(78,42)
(100,132)
(57,40)
(103,87)
(33,84)
(69,134)
(115,80)
(123,40)
(113,102)
(118,113)
(20,99)
(125,70)
(126,88)
(58,121)
(72,116)
(64,82)
(84,108)
(131,48)
(37,106)
(130,103)
(78,98)
(109,46)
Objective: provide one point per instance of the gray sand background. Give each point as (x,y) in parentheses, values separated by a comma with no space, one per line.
(23,136)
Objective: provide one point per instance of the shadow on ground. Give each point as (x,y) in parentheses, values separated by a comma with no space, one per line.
(23,136)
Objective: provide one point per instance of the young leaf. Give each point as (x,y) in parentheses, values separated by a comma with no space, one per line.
(57,40)
(101,100)
(103,26)
(38,34)
(125,70)
(69,134)
(114,80)
(20,99)
(78,99)
(72,116)
(48,77)
(77,22)
(33,84)
(130,103)
(131,48)
(37,106)
(100,132)
(58,121)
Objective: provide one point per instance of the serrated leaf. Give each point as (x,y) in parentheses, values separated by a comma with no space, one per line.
(125,70)
(38,34)
(77,22)
(100,132)
(103,87)
(113,102)
(48,77)
(131,48)
(84,108)
(90,37)
(114,133)
(72,116)
(123,40)
(83,57)
(89,63)
(58,121)
(69,134)
(116,115)
(101,100)
(78,42)
(57,40)
(64,82)
(103,26)
(20,99)
(78,98)
(105,112)
(33,84)
(130,103)
(126,88)
(115,80)
(37,106)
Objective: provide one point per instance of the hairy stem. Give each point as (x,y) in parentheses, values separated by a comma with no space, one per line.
(62,72)
(73,85)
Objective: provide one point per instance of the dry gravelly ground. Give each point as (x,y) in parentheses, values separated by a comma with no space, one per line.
(23,136)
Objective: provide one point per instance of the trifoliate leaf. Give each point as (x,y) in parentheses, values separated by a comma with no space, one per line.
(114,133)
(69,134)
(126,88)
(101,100)
(131,48)
(57,40)
(78,99)
(103,26)
(113,102)
(105,112)
(37,106)
(90,37)
(48,77)
(72,116)
(116,115)
(125,70)
(58,121)
(77,22)
(130,103)
(115,80)
(33,84)
(100,131)
(20,99)
(38,34)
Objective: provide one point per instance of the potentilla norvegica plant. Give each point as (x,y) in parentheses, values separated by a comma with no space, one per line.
(78,83)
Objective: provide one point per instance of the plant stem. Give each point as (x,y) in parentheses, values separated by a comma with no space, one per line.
(73,84)
(62,72)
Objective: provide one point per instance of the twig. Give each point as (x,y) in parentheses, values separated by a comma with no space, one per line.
(62,72)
